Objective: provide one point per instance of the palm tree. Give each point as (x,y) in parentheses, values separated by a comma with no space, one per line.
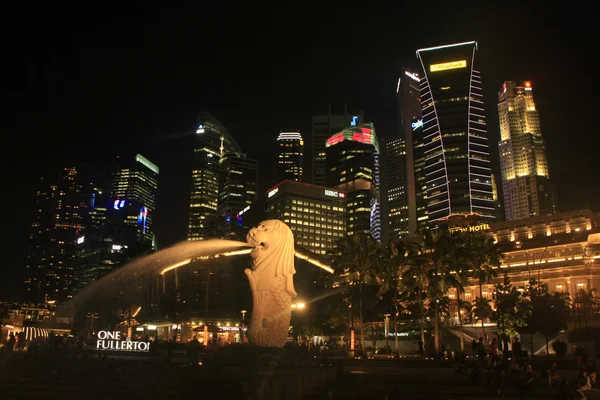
(399,254)
(484,259)
(587,302)
(358,261)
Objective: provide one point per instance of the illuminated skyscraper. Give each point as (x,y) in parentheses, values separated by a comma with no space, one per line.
(394,200)
(409,110)
(136,183)
(290,160)
(353,167)
(60,215)
(323,127)
(528,191)
(455,144)
(238,182)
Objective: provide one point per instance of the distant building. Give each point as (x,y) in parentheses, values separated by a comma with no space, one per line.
(290,157)
(315,214)
(409,110)
(60,216)
(323,127)
(457,170)
(136,181)
(526,184)
(353,167)
(213,141)
(238,182)
(394,193)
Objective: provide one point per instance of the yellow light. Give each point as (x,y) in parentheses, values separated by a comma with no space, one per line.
(448,65)
(174,266)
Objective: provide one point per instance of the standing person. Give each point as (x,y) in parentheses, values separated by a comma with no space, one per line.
(494,350)
(421,348)
(480,350)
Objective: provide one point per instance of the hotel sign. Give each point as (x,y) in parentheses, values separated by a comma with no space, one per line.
(112,341)
(272,192)
(473,228)
(448,65)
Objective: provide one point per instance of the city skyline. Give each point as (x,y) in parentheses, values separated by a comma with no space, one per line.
(103,128)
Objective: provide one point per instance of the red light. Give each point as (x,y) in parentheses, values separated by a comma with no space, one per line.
(366,131)
(359,137)
(335,139)
(118,156)
(527,84)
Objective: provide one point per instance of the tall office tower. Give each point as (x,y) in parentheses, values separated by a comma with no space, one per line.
(290,160)
(394,199)
(135,183)
(528,191)
(409,110)
(213,141)
(315,214)
(353,167)
(60,215)
(455,143)
(420,176)
(323,127)
(238,182)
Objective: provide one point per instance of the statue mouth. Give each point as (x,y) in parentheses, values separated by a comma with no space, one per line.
(262,246)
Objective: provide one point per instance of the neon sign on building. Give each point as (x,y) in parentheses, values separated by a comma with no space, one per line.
(448,65)
(112,341)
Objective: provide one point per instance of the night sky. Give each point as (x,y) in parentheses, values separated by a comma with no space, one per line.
(86,84)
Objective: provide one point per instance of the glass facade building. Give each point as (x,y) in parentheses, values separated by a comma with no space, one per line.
(353,167)
(456,171)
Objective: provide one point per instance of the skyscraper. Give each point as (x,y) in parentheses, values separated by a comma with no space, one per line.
(323,127)
(409,110)
(528,191)
(353,166)
(394,199)
(213,140)
(60,215)
(290,157)
(136,182)
(455,145)
(238,182)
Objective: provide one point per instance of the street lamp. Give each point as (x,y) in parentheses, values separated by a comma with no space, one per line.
(386,330)
(242,327)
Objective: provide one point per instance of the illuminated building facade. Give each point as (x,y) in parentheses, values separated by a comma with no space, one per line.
(60,215)
(394,199)
(562,251)
(409,110)
(455,145)
(323,127)
(213,141)
(238,182)
(136,182)
(353,167)
(315,214)
(420,177)
(290,158)
(528,190)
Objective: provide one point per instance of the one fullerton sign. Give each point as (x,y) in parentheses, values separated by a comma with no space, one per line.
(112,341)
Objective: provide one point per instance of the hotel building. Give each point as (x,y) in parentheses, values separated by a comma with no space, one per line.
(528,191)
(456,170)
(562,251)
(315,214)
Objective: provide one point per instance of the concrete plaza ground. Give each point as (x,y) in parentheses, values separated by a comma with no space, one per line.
(60,376)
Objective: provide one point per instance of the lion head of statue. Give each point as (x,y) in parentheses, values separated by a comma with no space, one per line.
(273,254)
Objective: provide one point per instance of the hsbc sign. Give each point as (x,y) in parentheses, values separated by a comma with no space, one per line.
(334,193)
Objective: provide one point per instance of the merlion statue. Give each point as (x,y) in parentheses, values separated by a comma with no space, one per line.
(271,282)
